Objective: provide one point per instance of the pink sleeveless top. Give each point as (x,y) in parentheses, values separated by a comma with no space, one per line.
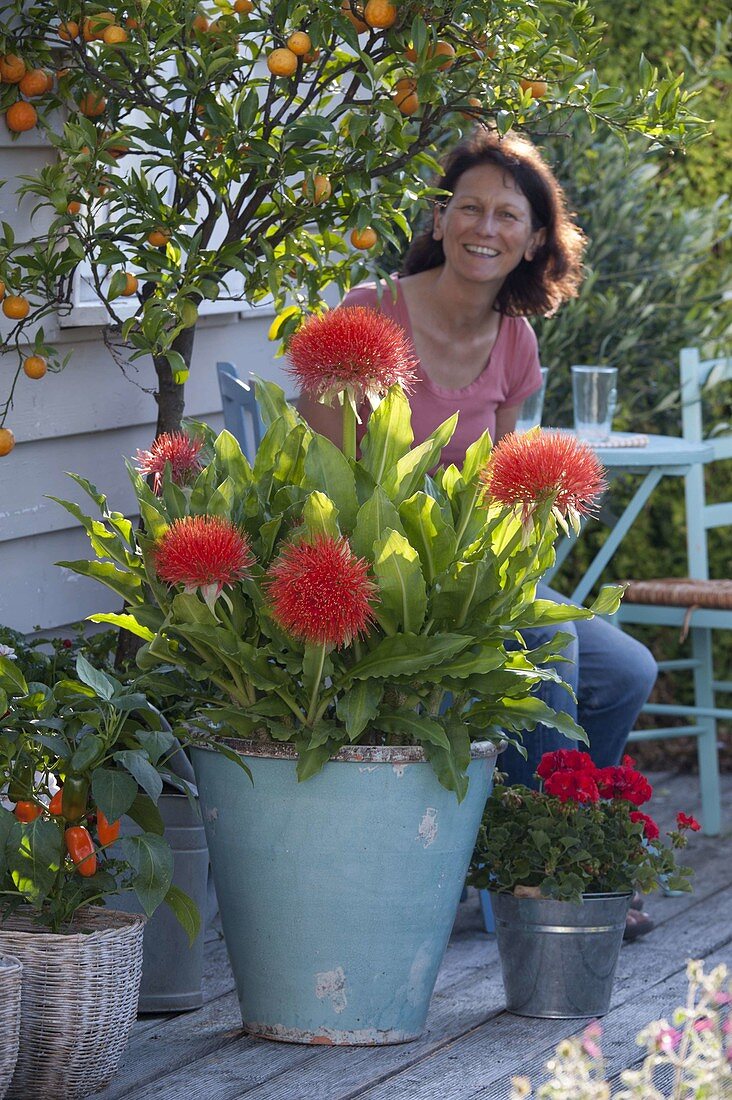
(510,375)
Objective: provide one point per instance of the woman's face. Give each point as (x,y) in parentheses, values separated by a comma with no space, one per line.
(485,228)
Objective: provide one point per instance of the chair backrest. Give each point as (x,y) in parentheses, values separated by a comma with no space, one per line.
(698,376)
(239,405)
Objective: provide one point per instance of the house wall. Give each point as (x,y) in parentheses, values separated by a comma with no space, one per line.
(85,420)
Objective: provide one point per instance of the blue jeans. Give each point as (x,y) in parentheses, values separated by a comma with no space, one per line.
(612,676)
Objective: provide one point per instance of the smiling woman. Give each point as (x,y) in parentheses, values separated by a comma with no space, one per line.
(499,248)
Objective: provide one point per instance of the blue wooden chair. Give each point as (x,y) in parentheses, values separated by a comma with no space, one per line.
(241,415)
(696,604)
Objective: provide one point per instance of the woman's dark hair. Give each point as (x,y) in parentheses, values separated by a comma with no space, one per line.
(538,286)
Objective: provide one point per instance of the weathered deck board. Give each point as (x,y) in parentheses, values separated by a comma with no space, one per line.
(471,1046)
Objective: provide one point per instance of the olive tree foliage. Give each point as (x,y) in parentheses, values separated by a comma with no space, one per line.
(197,138)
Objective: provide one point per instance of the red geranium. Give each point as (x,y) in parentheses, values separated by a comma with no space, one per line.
(530,468)
(686,821)
(351,348)
(320,591)
(202,552)
(564,760)
(650,828)
(179,450)
(573,786)
(623,781)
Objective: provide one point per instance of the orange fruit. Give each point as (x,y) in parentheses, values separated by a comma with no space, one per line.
(158,237)
(132,23)
(299,43)
(537,88)
(12,68)
(7,441)
(200,23)
(93,104)
(317,190)
(132,284)
(50,79)
(380,14)
(282,62)
(68,30)
(73,206)
(364,238)
(405,97)
(16,307)
(114,35)
(443,49)
(353,14)
(310,56)
(35,82)
(95,26)
(243,7)
(21,116)
(35,366)
(411,54)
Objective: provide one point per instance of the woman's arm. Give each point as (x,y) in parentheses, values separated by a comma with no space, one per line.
(324,419)
(506,417)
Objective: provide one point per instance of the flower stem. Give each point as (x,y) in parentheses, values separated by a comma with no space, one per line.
(316,684)
(349,425)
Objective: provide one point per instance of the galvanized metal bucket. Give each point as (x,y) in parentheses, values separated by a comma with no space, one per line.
(337,894)
(558,958)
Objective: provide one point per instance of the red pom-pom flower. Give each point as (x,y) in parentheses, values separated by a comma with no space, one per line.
(179,450)
(202,552)
(320,591)
(573,786)
(564,760)
(529,468)
(624,782)
(351,348)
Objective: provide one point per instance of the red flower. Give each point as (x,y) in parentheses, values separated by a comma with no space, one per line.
(650,828)
(352,347)
(202,552)
(320,591)
(686,821)
(622,782)
(573,786)
(179,450)
(528,469)
(563,760)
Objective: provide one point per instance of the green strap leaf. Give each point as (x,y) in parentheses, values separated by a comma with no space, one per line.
(375,517)
(126,584)
(413,727)
(358,705)
(409,471)
(402,590)
(425,527)
(608,599)
(388,435)
(328,470)
(125,622)
(404,654)
(320,517)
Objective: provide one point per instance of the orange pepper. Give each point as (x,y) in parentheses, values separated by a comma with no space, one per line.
(106,831)
(27,811)
(80,847)
(54,806)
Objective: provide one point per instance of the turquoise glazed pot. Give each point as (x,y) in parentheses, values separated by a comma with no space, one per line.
(338,894)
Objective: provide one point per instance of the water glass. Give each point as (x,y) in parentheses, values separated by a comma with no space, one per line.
(594,393)
(530,412)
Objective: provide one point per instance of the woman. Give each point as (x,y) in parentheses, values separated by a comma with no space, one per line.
(500,247)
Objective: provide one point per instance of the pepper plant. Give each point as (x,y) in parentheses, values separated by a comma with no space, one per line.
(75,758)
(335,598)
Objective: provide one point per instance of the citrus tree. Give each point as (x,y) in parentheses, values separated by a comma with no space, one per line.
(262,148)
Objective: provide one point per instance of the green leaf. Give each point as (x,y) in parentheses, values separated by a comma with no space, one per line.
(328,470)
(145,813)
(152,860)
(113,791)
(407,475)
(312,760)
(273,404)
(358,705)
(90,749)
(376,516)
(425,527)
(476,457)
(414,727)
(402,590)
(232,462)
(125,583)
(98,681)
(388,434)
(546,613)
(11,678)
(141,769)
(451,764)
(608,599)
(34,854)
(404,654)
(185,911)
(156,743)
(320,516)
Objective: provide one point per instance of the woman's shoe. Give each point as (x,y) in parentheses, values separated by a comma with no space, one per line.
(637,923)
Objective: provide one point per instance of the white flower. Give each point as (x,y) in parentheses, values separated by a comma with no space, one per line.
(8,651)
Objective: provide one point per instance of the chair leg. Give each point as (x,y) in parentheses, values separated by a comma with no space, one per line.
(701,643)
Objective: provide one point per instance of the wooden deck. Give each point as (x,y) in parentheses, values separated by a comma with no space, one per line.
(471,1047)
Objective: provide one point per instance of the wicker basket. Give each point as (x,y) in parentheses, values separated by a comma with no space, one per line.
(79,1000)
(11,971)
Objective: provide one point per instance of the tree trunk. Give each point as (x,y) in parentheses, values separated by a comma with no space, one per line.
(171,401)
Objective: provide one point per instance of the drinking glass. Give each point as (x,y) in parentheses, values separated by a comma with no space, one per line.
(530,412)
(594,393)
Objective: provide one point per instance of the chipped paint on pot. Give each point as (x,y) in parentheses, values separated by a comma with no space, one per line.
(338,894)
